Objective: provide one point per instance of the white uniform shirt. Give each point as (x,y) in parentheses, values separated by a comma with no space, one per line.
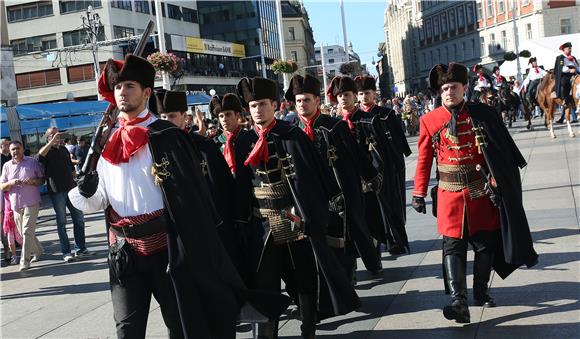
(532,75)
(481,83)
(128,187)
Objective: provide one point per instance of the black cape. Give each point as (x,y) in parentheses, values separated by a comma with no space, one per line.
(348,178)
(558,74)
(209,291)
(504,160)
(336,293)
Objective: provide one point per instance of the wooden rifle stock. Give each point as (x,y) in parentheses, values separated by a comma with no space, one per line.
(109,116)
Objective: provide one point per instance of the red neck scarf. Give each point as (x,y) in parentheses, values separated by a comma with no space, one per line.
(229,152)
(308,124)
(367,108)
(126,140)
(499,79)
(481,78)
(346,115)
(537,69)
(569,57)
(260,151)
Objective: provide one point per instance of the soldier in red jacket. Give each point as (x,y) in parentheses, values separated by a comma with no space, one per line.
(463,138)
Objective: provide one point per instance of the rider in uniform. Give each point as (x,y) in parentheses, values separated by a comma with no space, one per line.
(565,67)
(467,141)
(292,193)
(530,85)
(480,83)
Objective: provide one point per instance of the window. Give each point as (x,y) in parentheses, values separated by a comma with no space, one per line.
(121,4)
(75,6)
(142,6)
(422,33)
(330,51)
(525,2)
(32,44)
(470,14)
(461,56)
(189,15)
(294,55)
(436,26)
(291,34)
(529,31)
(332,72)
(122,32)
(174,12)
(479,11)
(428,28)
(330,61)
(565,26)
(492,43)
(460,17)
(38,79)
(501,6)
(153,9)
(80,73)
(29,11)
(452,21)
(444,23)
(80,37)
(504,39)
(482,45)
(489,8)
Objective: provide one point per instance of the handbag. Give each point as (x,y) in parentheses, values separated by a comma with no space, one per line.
(121,260)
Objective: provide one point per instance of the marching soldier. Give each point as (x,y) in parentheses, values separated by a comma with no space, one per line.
(386,226)
(172,106)
(288,185)
(397,149)
(347,231)
(162,240)
(479,196)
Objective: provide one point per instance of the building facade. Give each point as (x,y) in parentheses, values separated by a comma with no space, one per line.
(298,37)
(534,19)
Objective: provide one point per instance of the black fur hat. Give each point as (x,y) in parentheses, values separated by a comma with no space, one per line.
(134,68)
(256,89)
(164,101)
(230,101)
(338,85)
(364,83)
(302,84)
(441,74)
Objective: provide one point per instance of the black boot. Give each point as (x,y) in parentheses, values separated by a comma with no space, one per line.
(308,312)
(455,272)
(268,330)
(481,272)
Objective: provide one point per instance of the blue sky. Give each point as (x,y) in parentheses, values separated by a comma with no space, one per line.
(364,22)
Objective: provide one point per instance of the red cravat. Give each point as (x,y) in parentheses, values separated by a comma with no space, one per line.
(260,151)
(308,124)
(126,140)
(346,117)
(229,153)
(537,69)
(481,78)
(569,57)
(366,108)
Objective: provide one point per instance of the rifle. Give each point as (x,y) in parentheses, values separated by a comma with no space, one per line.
(109,116)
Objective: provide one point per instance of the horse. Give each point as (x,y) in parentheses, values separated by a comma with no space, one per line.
(547,103)
(507,104)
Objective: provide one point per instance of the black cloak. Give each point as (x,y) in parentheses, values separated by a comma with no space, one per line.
(209,291)
(558,74)
(504,160)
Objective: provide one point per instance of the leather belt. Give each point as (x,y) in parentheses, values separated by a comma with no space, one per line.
(460,178)
(137,231)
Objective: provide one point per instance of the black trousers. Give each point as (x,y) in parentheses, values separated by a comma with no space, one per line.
(131,301)
(482,241)
(565,88)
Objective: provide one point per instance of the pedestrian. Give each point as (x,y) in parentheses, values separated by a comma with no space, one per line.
(81,152)
(347,232)
(60,172)
(468,141)
(292,203)
(21,177)
(162,235)
(5,156)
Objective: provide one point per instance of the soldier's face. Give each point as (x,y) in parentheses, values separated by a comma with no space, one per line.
(366,97)
(567,50)
(452,93)
(176,118)
(131,97)
(229,120)
(346,99)
(262,111)
(307,104)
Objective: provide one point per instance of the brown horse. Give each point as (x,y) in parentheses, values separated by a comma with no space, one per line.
(548,104)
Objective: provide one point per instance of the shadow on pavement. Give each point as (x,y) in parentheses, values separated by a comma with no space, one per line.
(61,290)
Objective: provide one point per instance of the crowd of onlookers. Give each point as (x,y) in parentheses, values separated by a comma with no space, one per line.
(55,165)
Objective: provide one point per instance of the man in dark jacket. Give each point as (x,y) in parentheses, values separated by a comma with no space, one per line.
(468,141)
(348,234)
(565,67)
(293,207)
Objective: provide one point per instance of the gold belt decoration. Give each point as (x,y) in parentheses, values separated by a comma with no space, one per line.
(469,157)
(458,147)
(281,226)
(476,185)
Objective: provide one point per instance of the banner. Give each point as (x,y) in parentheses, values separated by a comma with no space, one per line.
(207,46)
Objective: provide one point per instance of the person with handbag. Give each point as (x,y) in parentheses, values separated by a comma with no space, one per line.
(485,210)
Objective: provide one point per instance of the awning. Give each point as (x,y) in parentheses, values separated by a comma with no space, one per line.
(198,99)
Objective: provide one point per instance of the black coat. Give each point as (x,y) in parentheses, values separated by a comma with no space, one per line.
(336,294)
(558,75)
(348,178)
(504,161)
(209,291)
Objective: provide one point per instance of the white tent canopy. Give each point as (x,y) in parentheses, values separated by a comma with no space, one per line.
(544,49)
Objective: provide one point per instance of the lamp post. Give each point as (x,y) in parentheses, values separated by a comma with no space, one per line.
(281,39)
(516,40)
(92,25)
(161,36)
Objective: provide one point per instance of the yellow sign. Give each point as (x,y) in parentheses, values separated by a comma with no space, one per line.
(206,46)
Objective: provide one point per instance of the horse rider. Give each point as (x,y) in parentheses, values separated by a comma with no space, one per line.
(530,85)
(481,82)
(565,68)
(498,80)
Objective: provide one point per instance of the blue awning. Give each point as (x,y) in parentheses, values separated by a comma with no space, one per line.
(198,99)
